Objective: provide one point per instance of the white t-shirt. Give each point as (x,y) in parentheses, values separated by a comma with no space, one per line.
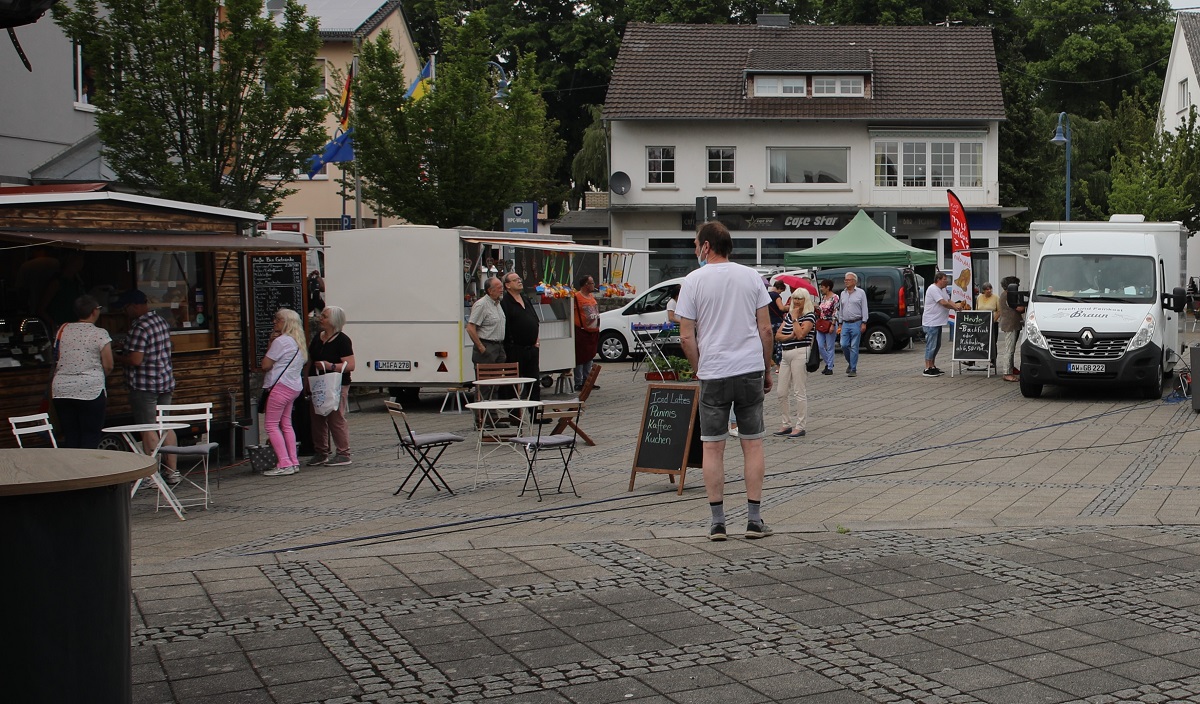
(935,315)
(80,371)
(723,300)
(280,351)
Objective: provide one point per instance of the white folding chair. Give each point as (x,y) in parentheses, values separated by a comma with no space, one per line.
(191,413)
(562,442)
(37,423)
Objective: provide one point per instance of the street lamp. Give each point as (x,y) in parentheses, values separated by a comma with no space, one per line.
(502,86)
(1064,138)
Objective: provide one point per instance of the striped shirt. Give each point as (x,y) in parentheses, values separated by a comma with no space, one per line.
(150,336)
(788,325)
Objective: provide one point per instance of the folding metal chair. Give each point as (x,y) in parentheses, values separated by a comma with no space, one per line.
(191,413)
(418,446)
(563,443)
(37,423)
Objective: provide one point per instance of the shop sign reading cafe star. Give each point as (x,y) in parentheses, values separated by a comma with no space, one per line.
(796,221)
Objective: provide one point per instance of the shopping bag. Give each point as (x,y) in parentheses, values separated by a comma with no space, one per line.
(814,358)
(262,457)
(326,391)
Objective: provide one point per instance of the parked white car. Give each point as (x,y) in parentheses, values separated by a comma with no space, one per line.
(650,307)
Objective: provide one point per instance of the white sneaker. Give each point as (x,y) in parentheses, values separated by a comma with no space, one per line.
(733,432)
(280,472)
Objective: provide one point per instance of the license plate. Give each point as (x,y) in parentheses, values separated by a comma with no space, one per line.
(393,365)
(1086,368)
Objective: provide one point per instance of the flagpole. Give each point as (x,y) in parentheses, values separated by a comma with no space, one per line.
(357,178)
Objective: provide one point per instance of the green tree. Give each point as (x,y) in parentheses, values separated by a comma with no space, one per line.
(219,109)
(457,156)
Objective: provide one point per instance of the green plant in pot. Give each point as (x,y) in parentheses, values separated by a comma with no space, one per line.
(681,367)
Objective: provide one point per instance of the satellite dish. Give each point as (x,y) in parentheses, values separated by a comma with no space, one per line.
(619,183)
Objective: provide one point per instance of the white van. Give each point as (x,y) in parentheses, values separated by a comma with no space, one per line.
(616,336)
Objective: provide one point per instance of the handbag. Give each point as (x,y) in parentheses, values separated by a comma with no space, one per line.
(814,358)
(824,325)
(326,391)
(262,457)
(266,393)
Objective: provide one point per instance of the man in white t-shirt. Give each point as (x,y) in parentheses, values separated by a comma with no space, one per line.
(936,315)
(725,331)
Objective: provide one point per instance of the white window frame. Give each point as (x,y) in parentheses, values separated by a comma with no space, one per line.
(814,152)
(726,161)
(780,86)
(838,87)
(657,159)
(81,101)
(1184,96)
(928,162)
(323,89)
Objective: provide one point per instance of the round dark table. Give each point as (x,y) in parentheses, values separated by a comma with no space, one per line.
(64,528)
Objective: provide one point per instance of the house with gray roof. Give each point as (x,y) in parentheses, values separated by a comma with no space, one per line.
(1179,93)
(793,129)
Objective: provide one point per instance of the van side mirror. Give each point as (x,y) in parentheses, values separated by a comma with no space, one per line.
(1176,300)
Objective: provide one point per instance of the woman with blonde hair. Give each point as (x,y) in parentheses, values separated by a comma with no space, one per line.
(283,365)
(795,335)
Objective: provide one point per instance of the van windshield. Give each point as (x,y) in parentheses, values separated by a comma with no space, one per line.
(1096,277)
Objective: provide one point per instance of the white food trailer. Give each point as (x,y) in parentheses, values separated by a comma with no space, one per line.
(407,291)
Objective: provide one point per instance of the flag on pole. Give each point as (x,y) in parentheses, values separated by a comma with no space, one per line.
(960,242)
(344,121)
(424,81)
(339,150)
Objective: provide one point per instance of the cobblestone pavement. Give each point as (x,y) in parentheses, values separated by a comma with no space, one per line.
(936,540)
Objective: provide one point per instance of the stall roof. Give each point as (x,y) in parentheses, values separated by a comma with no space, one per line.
(117,242)
(557,246)
(26,197)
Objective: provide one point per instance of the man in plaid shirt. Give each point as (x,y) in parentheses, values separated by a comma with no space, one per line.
(148,371)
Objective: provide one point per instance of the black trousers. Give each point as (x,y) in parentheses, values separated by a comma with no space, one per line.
(527,358)
(81,421)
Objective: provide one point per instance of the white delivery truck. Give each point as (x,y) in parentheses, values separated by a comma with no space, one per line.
(407,291)
(1105,304)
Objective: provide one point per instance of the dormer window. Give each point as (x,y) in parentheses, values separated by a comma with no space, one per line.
(780,86)
(837,86)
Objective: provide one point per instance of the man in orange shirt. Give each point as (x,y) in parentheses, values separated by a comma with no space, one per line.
(587,329)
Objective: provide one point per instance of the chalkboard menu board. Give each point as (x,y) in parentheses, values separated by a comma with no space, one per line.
(972,336)
(669,435)
(275,280)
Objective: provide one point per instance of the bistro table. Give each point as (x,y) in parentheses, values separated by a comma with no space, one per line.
(493,412)
(129,432)
(517,382)
(64,515)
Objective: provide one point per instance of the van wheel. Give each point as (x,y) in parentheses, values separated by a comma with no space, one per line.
(1030,388)
(1153,388)
(879,340)
(613,347)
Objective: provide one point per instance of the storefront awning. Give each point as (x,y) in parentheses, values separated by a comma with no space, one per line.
(153,242)
(556,246)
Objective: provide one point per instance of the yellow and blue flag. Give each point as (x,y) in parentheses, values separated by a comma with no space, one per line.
(423,82)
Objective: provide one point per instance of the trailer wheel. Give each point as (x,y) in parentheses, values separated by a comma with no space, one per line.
(1153,388)
(109,442)
(547,381)
(1030,388)
(406,395)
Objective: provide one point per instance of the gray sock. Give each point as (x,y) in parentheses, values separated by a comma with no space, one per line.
(718,512)
(753,511)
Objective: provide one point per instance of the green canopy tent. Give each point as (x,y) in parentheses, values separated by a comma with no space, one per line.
(860,243)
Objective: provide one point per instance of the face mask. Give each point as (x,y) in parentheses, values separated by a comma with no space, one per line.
(701,261)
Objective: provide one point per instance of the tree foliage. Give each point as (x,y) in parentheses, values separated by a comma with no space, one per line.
(457,156)
(203,101)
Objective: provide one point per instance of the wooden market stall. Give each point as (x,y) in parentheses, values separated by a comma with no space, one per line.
(192,262)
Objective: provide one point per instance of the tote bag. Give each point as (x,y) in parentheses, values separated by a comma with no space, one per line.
(326,391)
(814,358)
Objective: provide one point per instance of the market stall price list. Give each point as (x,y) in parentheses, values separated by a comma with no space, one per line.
(276,281)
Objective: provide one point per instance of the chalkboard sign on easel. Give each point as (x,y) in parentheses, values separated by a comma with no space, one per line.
(275,280)
(669,435)
(972,336)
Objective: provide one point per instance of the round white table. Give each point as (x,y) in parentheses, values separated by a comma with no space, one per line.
(129,432)
(517,382)
(491,413)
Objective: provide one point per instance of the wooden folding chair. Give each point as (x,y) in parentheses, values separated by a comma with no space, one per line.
(36,423)
(503,370)
(418,446)
(565,422)
(563,443)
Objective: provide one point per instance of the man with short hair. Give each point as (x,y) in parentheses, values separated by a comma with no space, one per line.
(725,331)
(936,315)
(521,333)
(853,310)
(486,325)
(149,373)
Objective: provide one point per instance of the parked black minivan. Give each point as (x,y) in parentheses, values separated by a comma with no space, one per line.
(895,298)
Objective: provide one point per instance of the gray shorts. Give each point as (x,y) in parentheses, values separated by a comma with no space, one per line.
(145,404)
(745,394)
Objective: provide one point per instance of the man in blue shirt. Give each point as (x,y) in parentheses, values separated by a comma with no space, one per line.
(854,320)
